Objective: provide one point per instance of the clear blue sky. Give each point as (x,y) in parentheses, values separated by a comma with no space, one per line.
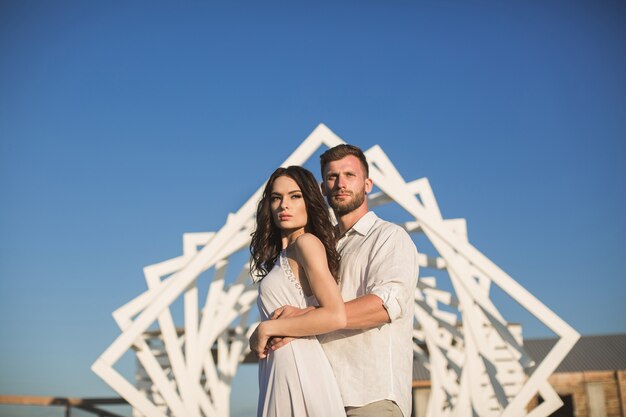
(122,126)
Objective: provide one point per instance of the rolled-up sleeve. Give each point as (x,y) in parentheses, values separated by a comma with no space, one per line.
(393,272)
(391,300)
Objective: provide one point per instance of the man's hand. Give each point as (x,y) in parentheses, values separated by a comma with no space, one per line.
(259,342)
(289,311)
(278,342)
(283,313)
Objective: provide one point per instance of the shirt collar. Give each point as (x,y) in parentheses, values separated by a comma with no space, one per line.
(365,223)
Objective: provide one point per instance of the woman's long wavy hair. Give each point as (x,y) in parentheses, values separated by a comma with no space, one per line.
(266,239)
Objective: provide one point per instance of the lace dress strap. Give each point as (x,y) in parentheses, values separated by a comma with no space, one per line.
(284,264)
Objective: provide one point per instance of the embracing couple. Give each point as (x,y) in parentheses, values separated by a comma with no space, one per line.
(336,303)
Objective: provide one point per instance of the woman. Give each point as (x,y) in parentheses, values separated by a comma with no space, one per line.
(294,255)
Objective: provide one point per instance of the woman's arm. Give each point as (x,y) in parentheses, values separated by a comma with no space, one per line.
(331,314)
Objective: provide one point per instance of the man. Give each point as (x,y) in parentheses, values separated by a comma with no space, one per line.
(372,358)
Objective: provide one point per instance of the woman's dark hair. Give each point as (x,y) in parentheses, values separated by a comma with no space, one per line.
(266,239)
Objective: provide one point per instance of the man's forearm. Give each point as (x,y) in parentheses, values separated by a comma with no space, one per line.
(366,312)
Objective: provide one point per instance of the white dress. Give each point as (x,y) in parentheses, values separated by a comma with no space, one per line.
(297,379)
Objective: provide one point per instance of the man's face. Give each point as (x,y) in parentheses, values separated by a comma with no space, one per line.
(345,185)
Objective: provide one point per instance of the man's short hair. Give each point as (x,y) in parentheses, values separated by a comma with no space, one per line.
(341,151)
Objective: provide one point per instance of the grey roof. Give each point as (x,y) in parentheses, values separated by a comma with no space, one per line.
(420,373)
(590,353)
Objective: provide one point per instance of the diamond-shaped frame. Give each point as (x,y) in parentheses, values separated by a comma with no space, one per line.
(471,274)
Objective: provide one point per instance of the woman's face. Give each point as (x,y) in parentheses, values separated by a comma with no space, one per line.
(287,205)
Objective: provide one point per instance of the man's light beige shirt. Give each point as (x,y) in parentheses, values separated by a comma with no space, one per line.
(377,257)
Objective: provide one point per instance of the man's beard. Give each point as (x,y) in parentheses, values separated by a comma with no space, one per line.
(347,206)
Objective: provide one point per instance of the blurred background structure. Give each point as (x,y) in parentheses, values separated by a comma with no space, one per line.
(123,126)
(477,365)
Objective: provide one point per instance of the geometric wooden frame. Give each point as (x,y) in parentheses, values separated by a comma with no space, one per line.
(198,385)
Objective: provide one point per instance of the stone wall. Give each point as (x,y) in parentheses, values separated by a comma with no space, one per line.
(594,393)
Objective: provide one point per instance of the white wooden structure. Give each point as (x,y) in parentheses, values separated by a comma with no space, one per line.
(466,335)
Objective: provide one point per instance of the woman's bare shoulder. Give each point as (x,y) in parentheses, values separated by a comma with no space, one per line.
(308,244)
